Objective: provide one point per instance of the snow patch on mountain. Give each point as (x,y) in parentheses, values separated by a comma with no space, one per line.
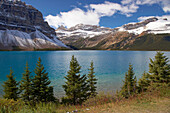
(82,31)
(160,26)
(33,40)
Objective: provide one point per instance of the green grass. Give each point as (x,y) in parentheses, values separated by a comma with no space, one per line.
(155,100)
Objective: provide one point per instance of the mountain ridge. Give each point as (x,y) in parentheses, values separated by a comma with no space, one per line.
(121,38)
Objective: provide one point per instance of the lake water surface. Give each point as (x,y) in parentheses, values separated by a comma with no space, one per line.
(110,66)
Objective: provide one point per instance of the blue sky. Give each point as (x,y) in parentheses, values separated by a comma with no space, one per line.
(107,13)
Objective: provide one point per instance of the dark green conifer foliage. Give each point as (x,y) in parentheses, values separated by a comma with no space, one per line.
(129,86)
(92,81)
(41,91)
(124,89)
(135,85)
(144,82)
(26,84)
(159,69)
(75,87)
(11,89)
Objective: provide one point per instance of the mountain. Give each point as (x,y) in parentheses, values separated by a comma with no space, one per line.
(150,34)
(153,25)
(23,27)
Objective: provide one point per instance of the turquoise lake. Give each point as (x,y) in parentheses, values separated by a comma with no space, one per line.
(110,66)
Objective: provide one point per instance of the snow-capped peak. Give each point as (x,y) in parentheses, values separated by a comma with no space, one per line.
(156,25)
(82,30)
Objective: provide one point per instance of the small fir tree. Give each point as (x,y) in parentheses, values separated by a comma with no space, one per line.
(75,87)
(92,81)
(124,89)
(135,85)
(144,82)
(11,89)
(41,91)
(26,84)
(129,83)
(159,69)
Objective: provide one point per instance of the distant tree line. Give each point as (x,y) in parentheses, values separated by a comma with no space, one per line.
(78,88)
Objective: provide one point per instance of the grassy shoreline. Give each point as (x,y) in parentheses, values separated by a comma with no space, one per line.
(157,100)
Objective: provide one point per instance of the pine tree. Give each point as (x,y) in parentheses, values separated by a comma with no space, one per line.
(144,82)
(76,87)
(159,69)
(26,84)
(92,81)
(41,91)
(10,87)
(129,86)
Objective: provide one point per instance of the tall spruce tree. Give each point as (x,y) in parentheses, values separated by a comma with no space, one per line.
(159,69)
(129,86)
(75,87)
(41,91)
(11,89)
(26,84)
(92,81)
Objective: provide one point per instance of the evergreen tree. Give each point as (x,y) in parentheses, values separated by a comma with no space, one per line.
(92,81)
(10,87)
(135,85)
(159,69)
(26,84)
(144,82)
(124,89)
(41,91)
(129,86)
(76,87)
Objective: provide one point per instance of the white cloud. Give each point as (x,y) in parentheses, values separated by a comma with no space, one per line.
(91,16)
(128,9)
(73,17)
(96,11)
(109,8)
(106,9)
(150,2)
(165,4)
(127,1)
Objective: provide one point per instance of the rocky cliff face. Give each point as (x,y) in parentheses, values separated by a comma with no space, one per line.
(17,16)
